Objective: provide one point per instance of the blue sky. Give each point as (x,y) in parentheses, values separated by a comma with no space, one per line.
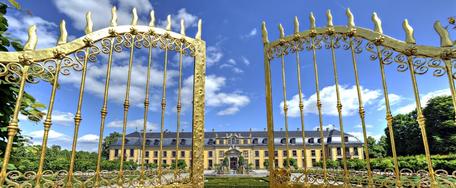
(235,78)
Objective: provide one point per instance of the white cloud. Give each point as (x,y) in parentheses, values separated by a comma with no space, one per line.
(232,65)
(47,31)
(101,11)
(88,138)
(230,102)
(348,95)
(95,80)
(58,118)
(252,33)
(189,20)
(213,55)
(361,126)
(186,60)
(37,136)
(329,126)
(393,100)
(245,60)
(359,135)
(136,124)
(424,100)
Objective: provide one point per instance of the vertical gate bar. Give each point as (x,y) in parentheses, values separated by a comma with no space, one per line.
(317,90)
(339,110)
(449,70)
(301,104)
(197,173)
(146,110)
(389,116)
(104,112)
(13,126)
(163,108)
(361,113)
(179,105)
(410,40)
(126,106)
(285,107)
(48,123)
(269,110)
(78,118)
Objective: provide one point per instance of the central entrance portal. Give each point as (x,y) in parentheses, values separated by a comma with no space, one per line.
(233,163)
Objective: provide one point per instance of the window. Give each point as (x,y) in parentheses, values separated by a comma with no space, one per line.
(339,152)
(116,152)
(294,153)
(222,141)
(221,154)
(257,153)
(155,161)
(245,153)
(355,150)
(164,161)
(173,153)
(210,163)
(173,142)
(246,141)
(266,154)
(293,141)
(211,142)
(346,139)
(182,153)
(276,153)
(147,161)
(147,153)
(257,164)
(155,153)
(284,153)
(165,153)
(313,162)
(265,141)
(329,140)
(276,162)
(311,140)
(209,153)
(283,141)
(255,141)
(132,152)
(156,142)
(312,152)
(319,140)
(147,142)
(182,142)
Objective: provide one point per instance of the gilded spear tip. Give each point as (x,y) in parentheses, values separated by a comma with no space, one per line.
(312,21)
(377,23)
(89,23)
(152,19)
(32,39)
(264,32)
(296,24)
(168,24)
(329,18)
(182,27)
(282,33)
(114,17)
(134,18)
(63,33)
(198,33)
(445,40)
(351,19)
(409,38)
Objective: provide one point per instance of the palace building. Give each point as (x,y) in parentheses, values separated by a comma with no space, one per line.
(252,145)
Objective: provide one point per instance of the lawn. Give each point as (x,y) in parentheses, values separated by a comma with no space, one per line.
(236,182)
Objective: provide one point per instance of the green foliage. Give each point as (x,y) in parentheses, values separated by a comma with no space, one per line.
(293,162)
(266,164)
(180,164)
(440,129)
(376,149)
(107,141)
(225,162)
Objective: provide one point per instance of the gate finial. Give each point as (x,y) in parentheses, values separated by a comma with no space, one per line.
(152,19)
(312,21)
(32,40)
(264,33)
(168,24)
(377,23)
(296,25)
(330,18)
(282,33)
(409,38)
(114,17)
(134,18)
(63,33)
(198,33)
(445,40)
(89,23)
(182,27)
(351,19)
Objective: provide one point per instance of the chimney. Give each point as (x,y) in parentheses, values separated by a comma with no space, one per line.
(281,129)
(298,129)
(213,130)
(318,129)
(264,129)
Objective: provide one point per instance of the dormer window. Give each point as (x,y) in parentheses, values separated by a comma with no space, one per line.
(346,139)
(211,142)
(329,140)
(319,140)
(255,141)
(311,140)
(173,142)
(182,142)
(265,141)
(283,141)
(293,141)
(156,142)
(147,142)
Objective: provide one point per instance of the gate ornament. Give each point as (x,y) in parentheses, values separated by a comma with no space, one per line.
(408,57)
(30,66)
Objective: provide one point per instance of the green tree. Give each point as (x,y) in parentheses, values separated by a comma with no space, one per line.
(376,149)
(107,141)
(266,164)
(293,162)
(180,164)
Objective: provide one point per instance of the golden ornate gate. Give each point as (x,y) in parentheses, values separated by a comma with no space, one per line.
(410,57)
(28,67)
